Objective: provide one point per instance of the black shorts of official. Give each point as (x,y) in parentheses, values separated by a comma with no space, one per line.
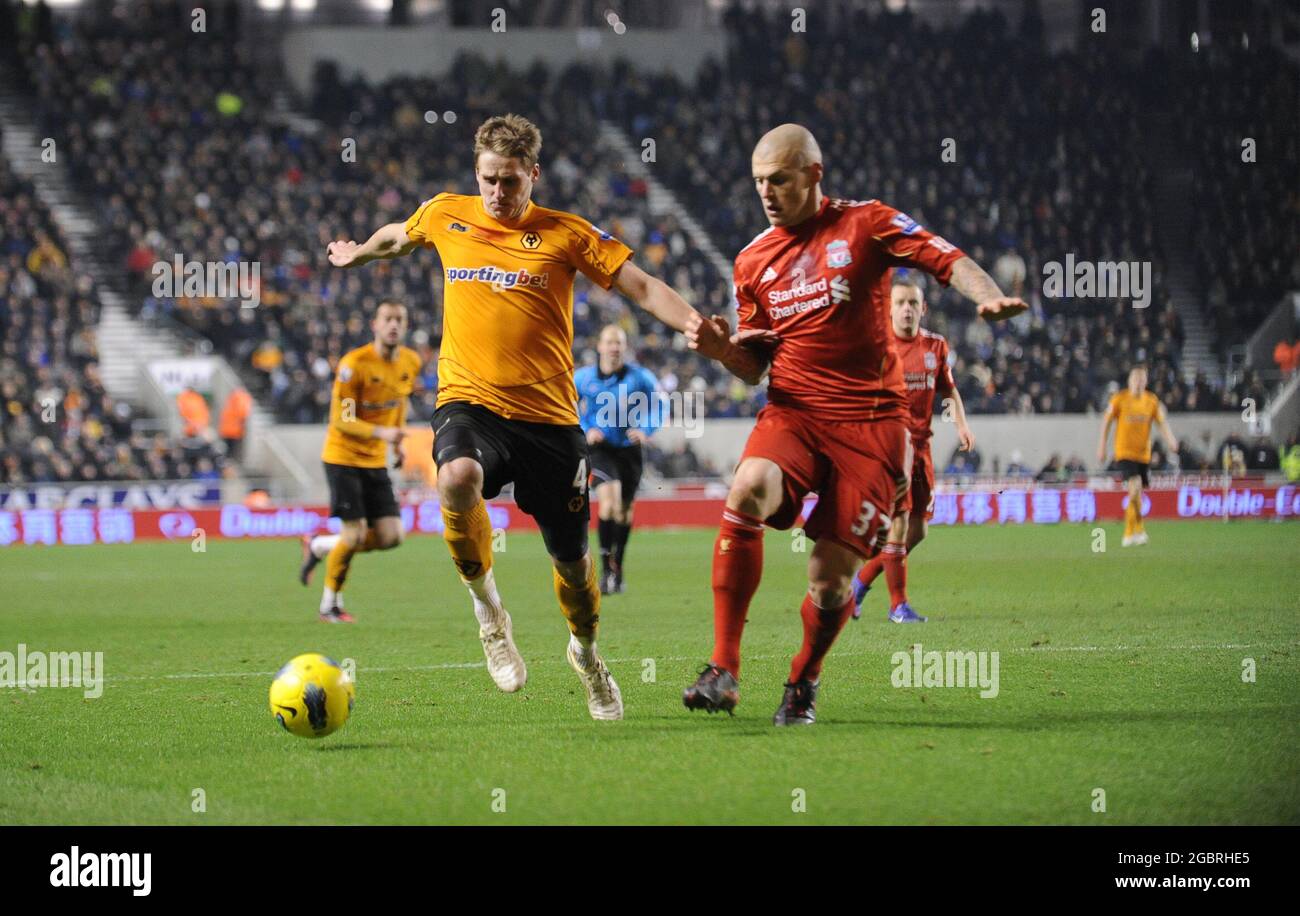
(1130,469)
(621,463)
(546,462)
(357,493)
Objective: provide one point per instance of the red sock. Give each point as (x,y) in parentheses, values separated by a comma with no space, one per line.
(871,569)
(894,556)
(737,569)
(820,627)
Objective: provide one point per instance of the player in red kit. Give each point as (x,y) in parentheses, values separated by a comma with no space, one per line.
(812,296)
(926,374)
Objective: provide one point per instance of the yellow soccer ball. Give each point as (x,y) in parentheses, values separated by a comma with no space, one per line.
(312,696)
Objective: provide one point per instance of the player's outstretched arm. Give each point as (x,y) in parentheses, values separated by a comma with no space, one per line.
(660,300)
(964,435)
(390,241)
(969,279)
(1162,418)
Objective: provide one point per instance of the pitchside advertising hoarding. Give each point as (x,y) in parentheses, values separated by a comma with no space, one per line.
(114,515)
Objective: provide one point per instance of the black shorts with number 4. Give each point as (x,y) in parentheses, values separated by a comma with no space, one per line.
(1129,469)
(357,493)
(614,463)
(546,462)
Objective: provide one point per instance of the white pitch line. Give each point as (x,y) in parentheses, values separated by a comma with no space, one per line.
(449,666)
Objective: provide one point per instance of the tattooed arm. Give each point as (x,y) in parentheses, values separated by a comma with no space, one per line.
(969,279)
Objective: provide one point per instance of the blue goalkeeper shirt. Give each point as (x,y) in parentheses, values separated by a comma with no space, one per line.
(614,403)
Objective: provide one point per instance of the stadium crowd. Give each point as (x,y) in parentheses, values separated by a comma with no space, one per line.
(984,94)
(59,424)
(187,155)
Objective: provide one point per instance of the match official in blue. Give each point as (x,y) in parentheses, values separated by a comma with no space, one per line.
(619,408)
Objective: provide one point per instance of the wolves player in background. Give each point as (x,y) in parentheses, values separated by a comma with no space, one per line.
(927,375)
(506,407)
(367,412)
(1134,410)
(812,294)
(610,395)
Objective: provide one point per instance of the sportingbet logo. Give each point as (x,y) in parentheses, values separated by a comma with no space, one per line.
(808,296)
(500,280)
(103,869)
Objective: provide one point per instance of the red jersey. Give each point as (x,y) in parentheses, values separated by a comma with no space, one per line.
(823,286)
(925,373)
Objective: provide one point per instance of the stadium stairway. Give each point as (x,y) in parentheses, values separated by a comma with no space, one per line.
(659,198)
(1174,223)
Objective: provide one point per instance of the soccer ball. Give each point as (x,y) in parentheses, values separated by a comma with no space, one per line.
(312,696)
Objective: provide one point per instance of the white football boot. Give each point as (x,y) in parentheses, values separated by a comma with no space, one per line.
(604,700)
(504,662)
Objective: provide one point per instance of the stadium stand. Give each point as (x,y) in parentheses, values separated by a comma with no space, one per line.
(59,423)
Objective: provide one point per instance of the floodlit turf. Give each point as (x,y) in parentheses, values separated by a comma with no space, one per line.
(1119,671)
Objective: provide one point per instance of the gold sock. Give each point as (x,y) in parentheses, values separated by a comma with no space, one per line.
(469,538)
(1130,519)
(581,606)
(336,565)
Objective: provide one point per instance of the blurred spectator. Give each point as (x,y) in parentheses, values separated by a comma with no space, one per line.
(1262,455)
(1287,356)
(196,417)
(1290,460)
(233,424)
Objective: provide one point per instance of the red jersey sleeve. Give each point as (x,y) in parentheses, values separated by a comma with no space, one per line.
(749,314)
(909,244)
(943,380)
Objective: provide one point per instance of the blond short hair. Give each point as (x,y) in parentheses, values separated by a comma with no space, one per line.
(511,136)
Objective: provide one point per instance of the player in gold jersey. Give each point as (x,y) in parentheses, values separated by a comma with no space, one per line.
(1133,411)
(367,413)
(507,406)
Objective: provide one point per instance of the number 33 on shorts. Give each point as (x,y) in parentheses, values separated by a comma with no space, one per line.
(863,524)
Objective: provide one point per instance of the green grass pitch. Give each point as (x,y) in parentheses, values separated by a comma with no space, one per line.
(1119,671)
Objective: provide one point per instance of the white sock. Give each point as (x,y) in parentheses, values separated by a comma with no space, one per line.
(322,544)
(487,601)
(584,650)
(330,599)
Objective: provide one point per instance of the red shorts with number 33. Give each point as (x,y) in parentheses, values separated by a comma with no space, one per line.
(859,470)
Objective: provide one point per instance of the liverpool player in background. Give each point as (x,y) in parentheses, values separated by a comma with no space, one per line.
(1134,410)
(927,375)
(367,412)
(618,408)
(506,407)
(813,301)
